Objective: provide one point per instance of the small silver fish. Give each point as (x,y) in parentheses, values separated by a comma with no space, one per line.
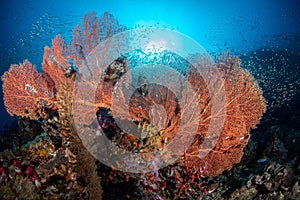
(262,160)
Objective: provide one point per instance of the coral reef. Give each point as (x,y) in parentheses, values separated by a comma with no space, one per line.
(57,162)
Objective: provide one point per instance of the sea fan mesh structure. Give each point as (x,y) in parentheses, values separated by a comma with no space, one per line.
(25,91)
(103,80)
(244,107)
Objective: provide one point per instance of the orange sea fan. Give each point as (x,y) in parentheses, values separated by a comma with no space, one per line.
(25,91)
(93,31)
(56,63)
(244,107)
(24,86)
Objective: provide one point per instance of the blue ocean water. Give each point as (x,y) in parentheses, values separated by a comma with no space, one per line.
(239,26)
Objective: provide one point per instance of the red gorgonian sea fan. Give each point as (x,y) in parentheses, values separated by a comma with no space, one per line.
(27,93)
(243,109)
(26,90)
